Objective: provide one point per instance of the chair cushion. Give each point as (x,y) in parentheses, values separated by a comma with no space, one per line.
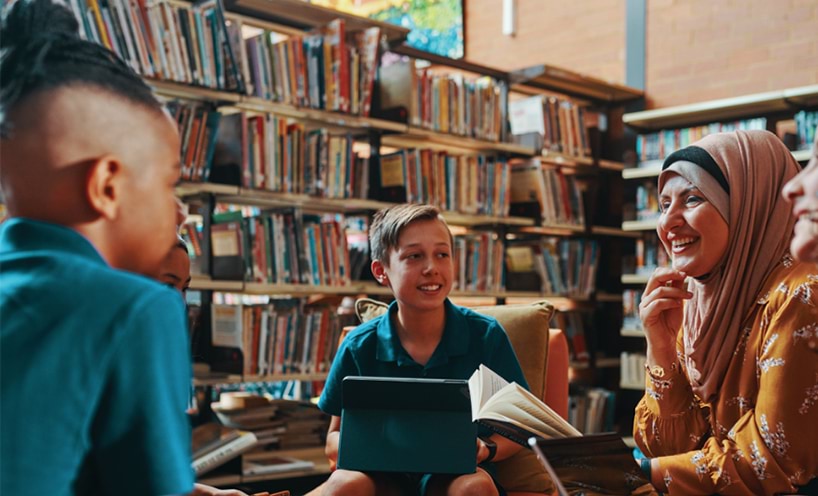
(527,328)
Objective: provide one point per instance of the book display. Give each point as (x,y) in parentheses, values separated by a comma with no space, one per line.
(295,129)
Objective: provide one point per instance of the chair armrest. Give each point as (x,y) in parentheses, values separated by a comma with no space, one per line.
(556,375)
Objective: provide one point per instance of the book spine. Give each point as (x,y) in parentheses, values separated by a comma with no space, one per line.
(223,454)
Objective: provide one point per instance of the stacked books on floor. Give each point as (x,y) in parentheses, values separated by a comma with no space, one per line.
(281,427)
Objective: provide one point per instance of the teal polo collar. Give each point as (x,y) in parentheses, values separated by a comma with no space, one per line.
(455,341)
(25,235)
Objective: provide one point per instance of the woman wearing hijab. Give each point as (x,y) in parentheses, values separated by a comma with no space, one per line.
(731,400)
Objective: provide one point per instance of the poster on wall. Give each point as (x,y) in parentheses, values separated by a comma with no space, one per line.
(436,26)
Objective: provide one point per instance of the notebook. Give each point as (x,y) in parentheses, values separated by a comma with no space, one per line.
(598,463)
(407,425)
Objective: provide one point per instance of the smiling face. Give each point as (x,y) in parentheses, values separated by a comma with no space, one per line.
(419,269)
(690,228)
(802,192)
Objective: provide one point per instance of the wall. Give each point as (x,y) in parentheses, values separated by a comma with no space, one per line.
(697,50)
(586,36)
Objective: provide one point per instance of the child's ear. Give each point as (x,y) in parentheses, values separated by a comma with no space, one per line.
(379,271)
(103,186)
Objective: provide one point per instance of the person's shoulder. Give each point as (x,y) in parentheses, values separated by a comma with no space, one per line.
(474,317)
(128,286)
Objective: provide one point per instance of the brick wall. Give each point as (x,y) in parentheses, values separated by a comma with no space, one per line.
(586,36)
(697,50)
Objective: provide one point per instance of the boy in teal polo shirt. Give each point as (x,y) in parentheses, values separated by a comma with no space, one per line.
(422,335)
(94,361)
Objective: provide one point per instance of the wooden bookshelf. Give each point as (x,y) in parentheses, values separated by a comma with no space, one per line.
(640,225)
(565,160)
(613,232)
(723,109)
(642,172)
(417,137)
(611,165)
(216,379)
(535,79)
(551,230)
(635,278)
(609,297)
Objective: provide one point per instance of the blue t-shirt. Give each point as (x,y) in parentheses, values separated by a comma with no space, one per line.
(374,349)
(95,371)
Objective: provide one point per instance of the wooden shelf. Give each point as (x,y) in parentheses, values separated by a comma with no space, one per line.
(544,77)
(170,89)
(802,155)
(609,298)
(220,480)
(308,16)
(642,172)
(325,117)
(613,231)
(246,196)
(215,379)
(309,289)
(604,362)
(551,230)
(611,165)
(417,137)
(565,160)
(640,225)
(635,278)
(203,283)
(723,109)
(629,332)
(315,455)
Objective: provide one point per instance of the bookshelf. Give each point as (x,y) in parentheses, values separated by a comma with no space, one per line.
(668,129)
(181,79)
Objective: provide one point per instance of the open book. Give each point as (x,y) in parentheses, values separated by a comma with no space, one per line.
(512,411)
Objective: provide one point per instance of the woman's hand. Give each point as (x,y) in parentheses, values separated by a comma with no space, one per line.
(661,311)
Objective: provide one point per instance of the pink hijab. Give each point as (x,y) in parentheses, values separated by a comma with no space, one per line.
(755,165)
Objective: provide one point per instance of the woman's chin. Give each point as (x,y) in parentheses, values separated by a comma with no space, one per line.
(804,248)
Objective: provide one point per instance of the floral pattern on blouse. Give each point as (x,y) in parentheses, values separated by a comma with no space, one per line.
(751,439)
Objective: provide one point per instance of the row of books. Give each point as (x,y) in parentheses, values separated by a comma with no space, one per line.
(654,147)
(266,151)
(478,262)
(592,410)
(282,337)
(806,125)
(647,201)
(280,246)
(198,130)
(472,184)
(323,69)
(545,192)
(559,121)
(630,309)
(632,368)
(565,267)
(650,254)
(444,101)
(187,43)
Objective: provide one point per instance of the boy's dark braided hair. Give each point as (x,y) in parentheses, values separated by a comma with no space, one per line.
(40,50)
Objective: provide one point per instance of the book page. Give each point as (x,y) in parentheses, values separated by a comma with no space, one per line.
(483,384)
(514,402)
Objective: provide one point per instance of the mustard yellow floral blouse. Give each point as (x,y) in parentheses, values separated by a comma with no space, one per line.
(760,435)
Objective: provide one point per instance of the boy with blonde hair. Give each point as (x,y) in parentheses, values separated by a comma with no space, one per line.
(421,335)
